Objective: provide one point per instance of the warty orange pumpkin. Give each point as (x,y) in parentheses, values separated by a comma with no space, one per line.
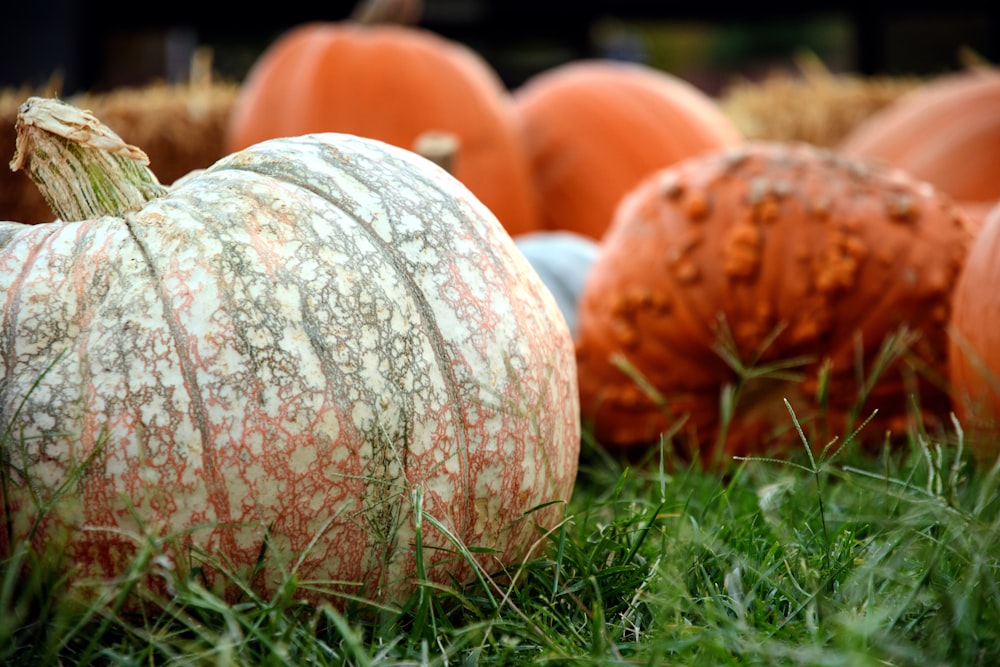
(770,257)
(314,340)
(392,83)
(594,128)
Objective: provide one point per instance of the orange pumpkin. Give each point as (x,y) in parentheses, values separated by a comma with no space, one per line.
(756,256)
(594,128)
(974,365)
(392,83)
(946,132)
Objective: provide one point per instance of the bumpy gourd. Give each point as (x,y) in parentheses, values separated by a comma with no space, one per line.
(778,270)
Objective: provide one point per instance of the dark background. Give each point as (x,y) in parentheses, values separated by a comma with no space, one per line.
(96,45)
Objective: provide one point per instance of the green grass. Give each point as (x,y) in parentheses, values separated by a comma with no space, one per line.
(828,557)
(838,553)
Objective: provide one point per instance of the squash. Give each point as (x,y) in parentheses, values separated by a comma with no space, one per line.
(974,339)
(306,347)
(594,128)
(741,277)
(946,132)
(562,260)
(393,83)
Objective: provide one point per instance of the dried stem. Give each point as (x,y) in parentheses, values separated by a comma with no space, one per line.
(82,168)
(439,147)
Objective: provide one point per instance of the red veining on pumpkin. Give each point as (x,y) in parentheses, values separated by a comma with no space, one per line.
(297,353)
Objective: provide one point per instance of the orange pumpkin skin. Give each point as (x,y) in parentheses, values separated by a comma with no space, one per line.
(946,132)
(978,211)
(974,331)
(594,128)
(768,239)
(392,83)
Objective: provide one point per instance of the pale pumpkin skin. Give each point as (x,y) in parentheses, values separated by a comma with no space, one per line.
(311,337)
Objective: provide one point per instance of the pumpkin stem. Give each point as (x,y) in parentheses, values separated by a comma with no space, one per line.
(439,147)
(82,168)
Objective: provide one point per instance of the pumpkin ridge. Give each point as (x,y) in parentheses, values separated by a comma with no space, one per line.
(435,340)
(483,241)
(274,169)
(381,509)
(217,491)
(426,311)
(14,292)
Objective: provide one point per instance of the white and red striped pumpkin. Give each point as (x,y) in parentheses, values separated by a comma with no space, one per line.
(309,339)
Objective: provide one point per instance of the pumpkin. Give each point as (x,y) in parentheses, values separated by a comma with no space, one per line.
(314,342)
(594,128)
(974,369)
(733,280)
(393,83)
(946,132)
(562,260)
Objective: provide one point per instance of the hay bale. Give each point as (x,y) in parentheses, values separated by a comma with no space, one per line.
(181,127)
(812,104)
(20,200)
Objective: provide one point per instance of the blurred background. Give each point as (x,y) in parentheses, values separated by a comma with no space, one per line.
(97,45)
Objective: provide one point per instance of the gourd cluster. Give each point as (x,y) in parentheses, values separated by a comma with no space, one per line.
(406,290)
